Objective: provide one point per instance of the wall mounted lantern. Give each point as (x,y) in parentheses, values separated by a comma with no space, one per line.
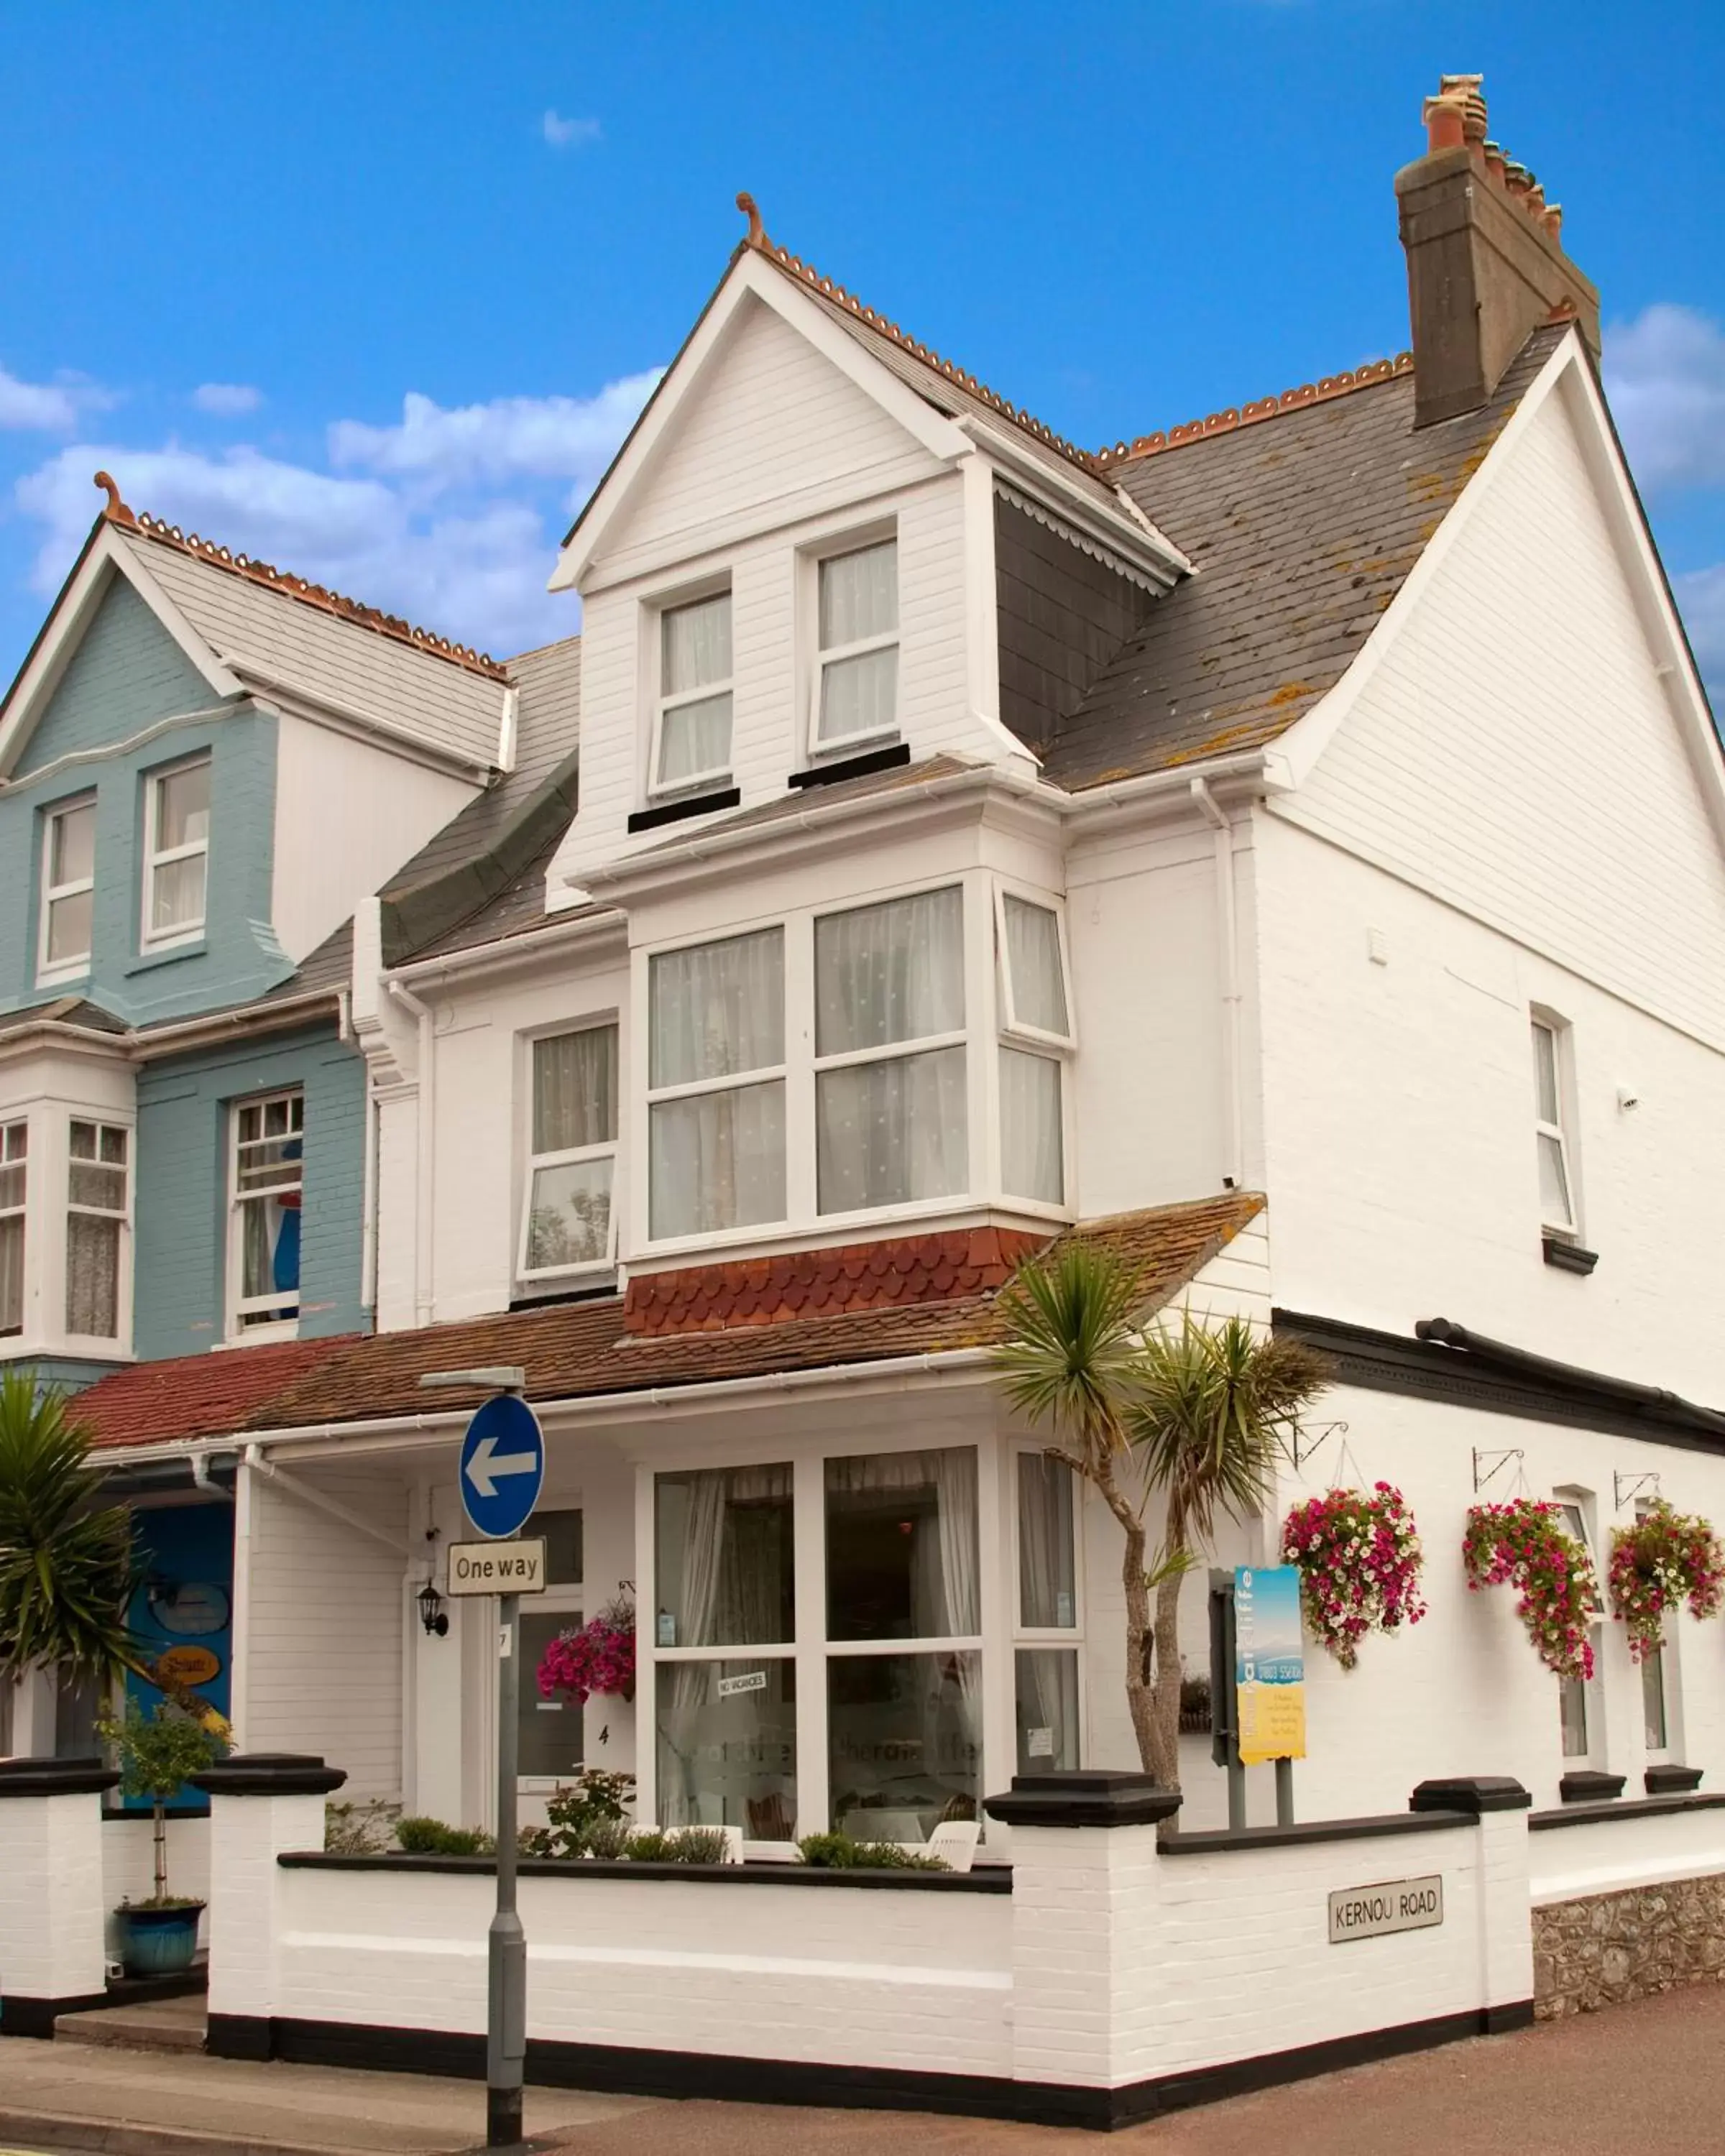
(432,1614)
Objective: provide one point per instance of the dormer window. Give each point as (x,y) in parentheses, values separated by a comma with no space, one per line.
(176,853)
(856,694)
(691,718)
(67,889)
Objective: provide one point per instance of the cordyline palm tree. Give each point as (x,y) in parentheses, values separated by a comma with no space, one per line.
(67,1569)
(1193,1413)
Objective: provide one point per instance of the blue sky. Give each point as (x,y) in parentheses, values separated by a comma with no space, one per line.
(373,292)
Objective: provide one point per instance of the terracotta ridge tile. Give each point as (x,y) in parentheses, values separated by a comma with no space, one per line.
(805,273)
(284,581)
(1329,386)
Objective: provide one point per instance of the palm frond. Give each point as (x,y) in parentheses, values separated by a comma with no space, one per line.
(1069,1358)
(67,1566)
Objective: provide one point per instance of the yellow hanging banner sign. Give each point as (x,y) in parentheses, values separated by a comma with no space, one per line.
(1269,1663)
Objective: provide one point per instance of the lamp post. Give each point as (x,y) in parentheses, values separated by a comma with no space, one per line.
(507,2008)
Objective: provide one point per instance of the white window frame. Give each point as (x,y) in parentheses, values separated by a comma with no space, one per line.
(1031,1637)
(835,550)
(811,1650)
(1576,1505)
(1014,1033)
(568,1157)
(981,1037)
(15,1132)
(694,781)
(1669,1680)
(238,1333)
(67,969)
(1558,1033)
(156,858)
(115,1341)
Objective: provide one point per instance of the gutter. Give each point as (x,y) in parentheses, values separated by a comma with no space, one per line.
(424,1165)
(1520,1362)
(552,935)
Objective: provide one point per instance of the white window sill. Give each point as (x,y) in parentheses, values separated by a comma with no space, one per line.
(70,1347)
(878,1226)
(65,977)
(256,1336)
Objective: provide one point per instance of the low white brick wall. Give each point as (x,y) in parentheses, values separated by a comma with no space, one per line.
(919,1980)
(129,1864)
(1617,1849)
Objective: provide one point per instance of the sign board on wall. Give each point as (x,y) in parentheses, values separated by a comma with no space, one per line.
(1269,1663)
(1394,1905)
(497,1568)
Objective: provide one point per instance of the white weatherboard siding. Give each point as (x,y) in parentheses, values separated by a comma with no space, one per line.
(771,423)
(343,805)
(325,1620)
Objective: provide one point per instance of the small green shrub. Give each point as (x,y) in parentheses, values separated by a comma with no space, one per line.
(595,1799)
(430,1837)
(697,1844)
(357,1829)
(843,1852)
(608,1841)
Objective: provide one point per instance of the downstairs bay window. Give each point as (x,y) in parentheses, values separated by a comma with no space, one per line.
(96,1210)
(859,1060)
(14,1191)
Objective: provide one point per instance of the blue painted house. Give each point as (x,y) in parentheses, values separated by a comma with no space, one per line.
(205,765)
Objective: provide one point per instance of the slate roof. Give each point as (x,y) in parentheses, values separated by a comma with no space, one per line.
(1302,529)
(484,873)
(269,628)
(62,1010)
(580,1349)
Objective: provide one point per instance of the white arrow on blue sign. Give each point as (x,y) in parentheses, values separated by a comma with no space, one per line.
(502,1466)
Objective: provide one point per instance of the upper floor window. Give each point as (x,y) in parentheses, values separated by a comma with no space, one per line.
(889,1128)
(67,889)
(567,1220)
(14,1169)
(716,1086)
(856,694)
(267,1190)
(176,852)
(1557,1184)
(1033,1009)
(96,1226)
(691,720)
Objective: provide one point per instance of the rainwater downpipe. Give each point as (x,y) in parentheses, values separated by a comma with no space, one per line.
(425,1136)
(1227,937)
(368,1168)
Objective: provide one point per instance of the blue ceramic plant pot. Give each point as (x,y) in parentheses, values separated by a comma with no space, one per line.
(158,1942)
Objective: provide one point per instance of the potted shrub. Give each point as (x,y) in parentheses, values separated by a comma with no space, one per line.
(157,1754)
(597,1657)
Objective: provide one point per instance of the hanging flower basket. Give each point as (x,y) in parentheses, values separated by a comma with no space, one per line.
(1525,1544)
(598,1656)
(1359,1558)
(1667,1557)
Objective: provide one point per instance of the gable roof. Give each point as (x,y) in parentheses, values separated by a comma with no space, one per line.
(579,1350)
(247,625)
(1301,530)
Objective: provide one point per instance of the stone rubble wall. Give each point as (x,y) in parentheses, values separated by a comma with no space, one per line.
(1606,1949)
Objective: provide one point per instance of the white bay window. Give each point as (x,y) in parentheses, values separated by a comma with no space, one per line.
(15,1180)
(715,1078)
(838,1064)
(691,722)
(856,696)
(96,1193)
(567,1220)
(891,1129)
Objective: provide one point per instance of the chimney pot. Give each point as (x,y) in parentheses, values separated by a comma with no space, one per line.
(1534,199)
(1495,162)
(1445,125)
(1516,177)
(1470,89)
(1554,222)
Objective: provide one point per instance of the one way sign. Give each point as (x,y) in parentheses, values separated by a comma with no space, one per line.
(502,1466)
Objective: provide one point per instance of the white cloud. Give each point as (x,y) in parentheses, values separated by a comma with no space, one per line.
(569,134)
(226,400)
(451,520)
(1700,598)
(559,438)
(48,407)
(1665,374)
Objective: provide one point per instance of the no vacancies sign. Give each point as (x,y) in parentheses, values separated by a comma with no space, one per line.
(1395,1905)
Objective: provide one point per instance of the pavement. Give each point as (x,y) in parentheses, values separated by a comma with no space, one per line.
(1638,2077)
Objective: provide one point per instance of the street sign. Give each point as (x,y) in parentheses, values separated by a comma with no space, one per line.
(502,1467)
(516,1567)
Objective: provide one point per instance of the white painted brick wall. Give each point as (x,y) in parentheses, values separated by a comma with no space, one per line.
(52,1897)
(1612,1856)
(247,1834)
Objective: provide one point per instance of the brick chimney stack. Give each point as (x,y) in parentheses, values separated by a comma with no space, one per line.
(1485,264)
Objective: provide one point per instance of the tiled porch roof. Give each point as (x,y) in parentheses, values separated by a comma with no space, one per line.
(579,1350)
(191,1396)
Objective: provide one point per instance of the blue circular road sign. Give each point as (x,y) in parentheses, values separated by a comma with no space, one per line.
(502,1466)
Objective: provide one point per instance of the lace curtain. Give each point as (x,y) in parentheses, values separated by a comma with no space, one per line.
(575,1089)
(1031,1165)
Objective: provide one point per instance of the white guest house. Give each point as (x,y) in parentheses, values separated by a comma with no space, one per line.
(1289,849)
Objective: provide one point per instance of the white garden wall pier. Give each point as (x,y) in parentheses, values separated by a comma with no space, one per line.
(1102,1977)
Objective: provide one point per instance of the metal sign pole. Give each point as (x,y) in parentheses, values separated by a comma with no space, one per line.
(506,2025)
